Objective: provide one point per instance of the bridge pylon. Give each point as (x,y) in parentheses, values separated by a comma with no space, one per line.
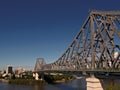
(40,62)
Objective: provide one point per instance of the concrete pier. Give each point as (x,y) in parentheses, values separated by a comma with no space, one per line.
(36,75)
(94,84)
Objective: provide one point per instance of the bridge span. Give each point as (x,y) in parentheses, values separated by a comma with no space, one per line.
(94,50)
(96,46)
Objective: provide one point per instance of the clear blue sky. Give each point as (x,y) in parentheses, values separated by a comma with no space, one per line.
(42,28)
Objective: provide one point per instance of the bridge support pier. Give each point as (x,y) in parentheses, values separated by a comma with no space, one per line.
(36,75)
(94,84)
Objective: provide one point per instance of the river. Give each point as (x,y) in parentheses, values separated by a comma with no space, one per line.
(78,84)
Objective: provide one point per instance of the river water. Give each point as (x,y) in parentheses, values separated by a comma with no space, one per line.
(78,84)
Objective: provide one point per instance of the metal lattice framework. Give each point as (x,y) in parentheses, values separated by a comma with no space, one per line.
(40,62)
(97,45)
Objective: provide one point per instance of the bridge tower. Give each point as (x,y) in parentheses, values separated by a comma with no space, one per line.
(40,62)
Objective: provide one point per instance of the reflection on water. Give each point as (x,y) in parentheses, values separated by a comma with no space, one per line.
(6,86)
(78,84)
(46,87)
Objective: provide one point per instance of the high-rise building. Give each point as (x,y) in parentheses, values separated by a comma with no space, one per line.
(9,70)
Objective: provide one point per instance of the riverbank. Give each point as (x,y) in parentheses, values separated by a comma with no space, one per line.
(27,82)
(48,79)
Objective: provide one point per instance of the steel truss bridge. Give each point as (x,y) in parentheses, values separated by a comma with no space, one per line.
(96,47)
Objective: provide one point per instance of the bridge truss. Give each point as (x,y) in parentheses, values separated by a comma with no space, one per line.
(96,46)
(40,62)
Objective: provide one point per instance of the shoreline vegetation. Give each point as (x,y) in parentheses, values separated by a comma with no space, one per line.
(50,79)
(58,78)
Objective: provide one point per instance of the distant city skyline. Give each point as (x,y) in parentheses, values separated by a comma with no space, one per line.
(31,29)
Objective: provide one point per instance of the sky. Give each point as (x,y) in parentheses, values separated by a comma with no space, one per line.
(31,29)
